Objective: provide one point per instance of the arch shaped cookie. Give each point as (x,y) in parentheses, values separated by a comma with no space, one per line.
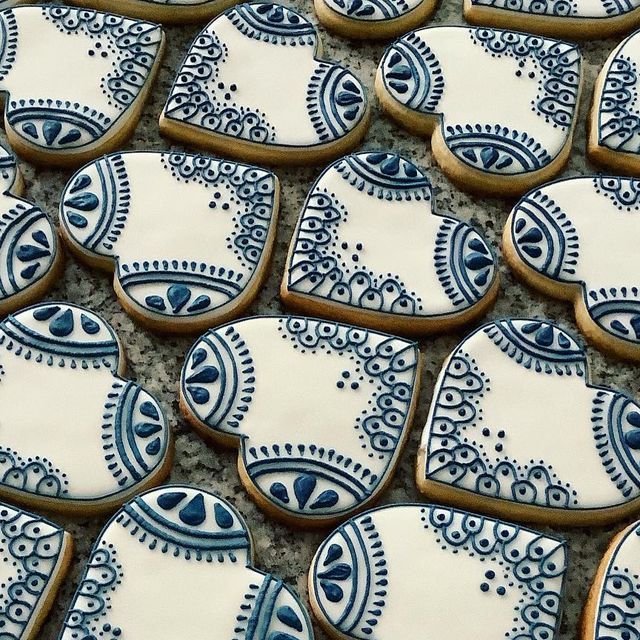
(75,435)
(223,97)
(499,106)
(31,258)
(401,569)
(515,428)
(320,411)
(575,239)
(369,248)
(177,562)
(188,237)
(75,80)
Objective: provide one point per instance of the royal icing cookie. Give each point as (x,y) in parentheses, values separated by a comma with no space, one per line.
(223,97)
(499,106)
(31,259)
(393,571)
(60,367)
(177,562)
(34,557)
(75,80)
(369,249)
(188,237)
(516,429)
(320,411)
(614,123)
(575,239)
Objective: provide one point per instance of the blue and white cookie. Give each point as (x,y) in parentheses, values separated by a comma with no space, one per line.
(75,80)
(252,87)
(29,248)
(188,237)
(177,562)
(575,239)
(104,437)
(34,557)
(369,248)
(614,123)
(516,429)
(499,106)
(320,411)
(416,570)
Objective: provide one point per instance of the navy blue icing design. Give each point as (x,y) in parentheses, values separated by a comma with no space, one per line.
(365,9)
(559,8)
(36,476)
(623,192)
(273,23)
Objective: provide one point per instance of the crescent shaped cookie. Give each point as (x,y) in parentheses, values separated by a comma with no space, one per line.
(516,429)
(369,248)
(188,237)
(224,97)
(177,562)
(499,106)
(415,571)
(105,439)
(320,411)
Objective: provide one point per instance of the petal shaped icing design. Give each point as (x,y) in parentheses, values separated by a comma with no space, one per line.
(500,104)
(173,540)
(516,424)
(59,367)
(319,410)
(370,215)
(223,98)
(391,572)
(189,252)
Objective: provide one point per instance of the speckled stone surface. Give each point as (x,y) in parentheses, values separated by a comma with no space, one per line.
(155,360)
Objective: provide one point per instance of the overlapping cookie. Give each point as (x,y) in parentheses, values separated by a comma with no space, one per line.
(189,237)
(319,410)
(177,562)
(369,248)
(576,239)
(34,556)
(406,570)
(614,122)
(499,106)
(75,435)
(31,259)
(251,87)
(75,80)
(516,429)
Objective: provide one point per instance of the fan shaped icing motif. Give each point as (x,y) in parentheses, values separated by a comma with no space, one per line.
(75,80)
(499,106)
(59,367)
(575,239)
(228,94)
(515,427)
(165,544)
(34,556)
(319,410)
(398,570)
(369,248)
(188,236)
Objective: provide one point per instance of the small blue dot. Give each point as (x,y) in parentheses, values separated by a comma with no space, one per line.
(484,587)
(490,575)
(501,591)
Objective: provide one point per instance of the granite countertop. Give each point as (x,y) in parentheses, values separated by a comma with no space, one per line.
(155,360)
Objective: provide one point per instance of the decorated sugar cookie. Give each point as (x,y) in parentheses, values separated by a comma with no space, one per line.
(575,239)
(499,106)
(399,570)
(368,248)
(105,439)
(614,124)
(75,80)
(517,429)
(229,93)
(177,562)
(320,411)
(34,556)
(189,237)
(31,259)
